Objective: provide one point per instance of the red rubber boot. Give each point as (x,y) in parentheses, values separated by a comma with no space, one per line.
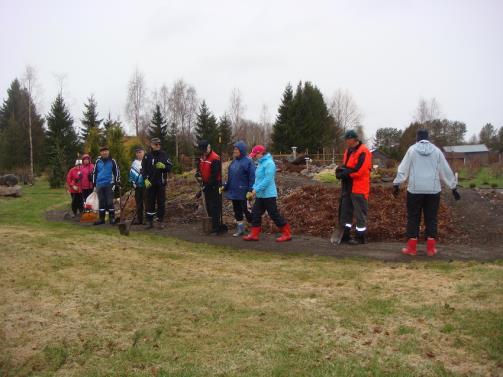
(254,233)
(411,247)
(286,234)
(431,250)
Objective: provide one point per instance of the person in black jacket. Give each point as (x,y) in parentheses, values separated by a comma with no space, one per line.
(155,169)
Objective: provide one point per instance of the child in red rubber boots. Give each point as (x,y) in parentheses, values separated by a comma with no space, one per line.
(265,193)
(424,165)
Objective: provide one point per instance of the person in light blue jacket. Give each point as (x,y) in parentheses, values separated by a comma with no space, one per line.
(240,179)
(265,193)
(424,167)
(136,179)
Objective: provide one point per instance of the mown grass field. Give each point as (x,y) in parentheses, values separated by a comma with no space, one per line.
(484,176)
(78,301)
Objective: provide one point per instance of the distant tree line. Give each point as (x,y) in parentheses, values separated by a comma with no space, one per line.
(35,143)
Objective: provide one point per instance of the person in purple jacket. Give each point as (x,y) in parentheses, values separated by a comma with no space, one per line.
(240,179)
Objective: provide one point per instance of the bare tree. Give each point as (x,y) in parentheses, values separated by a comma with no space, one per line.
(236,112)
(136,98)
(191,105)
(427,110)
(29,83)
(344,110)
(183,104)
(163,100)
(60,80)
(265,123)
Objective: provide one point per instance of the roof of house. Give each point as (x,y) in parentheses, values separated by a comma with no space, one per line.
(473,148)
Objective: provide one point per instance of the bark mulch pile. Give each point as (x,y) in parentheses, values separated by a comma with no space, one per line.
(310,209)
(313,209)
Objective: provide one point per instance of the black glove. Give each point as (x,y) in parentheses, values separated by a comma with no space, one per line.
(198,195)
(456,195)
(342,172)
(396,191)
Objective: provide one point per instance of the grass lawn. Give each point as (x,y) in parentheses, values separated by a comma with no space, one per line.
(86,302)
(483,177)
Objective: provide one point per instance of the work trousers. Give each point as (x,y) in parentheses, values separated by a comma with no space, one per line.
(213,206)
(354,204)
(426,204)
(139,198)
(156,201)
(262,205)
(77,203)
(106,200)
(240,208)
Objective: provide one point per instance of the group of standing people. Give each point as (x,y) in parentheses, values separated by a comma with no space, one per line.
(251,187)
(250,179)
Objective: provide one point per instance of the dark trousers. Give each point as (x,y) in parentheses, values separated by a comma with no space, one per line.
(354,204)
(106,200)
(86,193)
(428,205)
(213,198)
(266,204)
(77,203)
(240,208)
(139,198)
(156,199)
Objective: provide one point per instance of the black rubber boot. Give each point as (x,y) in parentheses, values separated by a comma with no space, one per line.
(346,236)
(359,239)
(111,218)
(150,224)
(101,221)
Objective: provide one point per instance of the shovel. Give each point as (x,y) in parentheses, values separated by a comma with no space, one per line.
(126,225)
(206,220)
(123,226)
(338,232)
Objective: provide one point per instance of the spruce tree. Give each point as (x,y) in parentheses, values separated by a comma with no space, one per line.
(283,123)
(158,128)
(93,143)
(206,125)
(14,132)
(303,120)
(62,142)
(114,138)
(312,119)
(225,133)
(90,119)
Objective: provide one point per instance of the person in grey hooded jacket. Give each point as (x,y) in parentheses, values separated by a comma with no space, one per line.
(424,166)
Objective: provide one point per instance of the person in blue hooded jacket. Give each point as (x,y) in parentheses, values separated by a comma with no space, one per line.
(240,179)
(264,192)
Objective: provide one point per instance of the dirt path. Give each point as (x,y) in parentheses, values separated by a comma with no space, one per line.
(480,215)
(308,245)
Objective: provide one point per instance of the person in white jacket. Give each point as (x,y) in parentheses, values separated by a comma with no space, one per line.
(424,165)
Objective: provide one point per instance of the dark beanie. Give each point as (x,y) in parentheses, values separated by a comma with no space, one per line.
(203,145)
(350,134)
(422,135)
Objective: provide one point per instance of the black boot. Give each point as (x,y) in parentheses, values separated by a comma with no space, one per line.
(111,218)
(101,221)
(359,239)
(346,236)
(150,224)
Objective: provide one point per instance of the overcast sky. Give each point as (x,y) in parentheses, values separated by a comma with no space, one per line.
(388,54)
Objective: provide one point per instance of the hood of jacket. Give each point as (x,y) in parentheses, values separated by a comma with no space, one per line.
(266,158)
(424,148)
(243,148)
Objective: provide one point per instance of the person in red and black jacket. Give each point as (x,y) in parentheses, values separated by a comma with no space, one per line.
(209,170)
(354,175)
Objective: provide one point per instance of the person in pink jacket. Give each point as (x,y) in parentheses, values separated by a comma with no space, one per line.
(74,181)
(87,177)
